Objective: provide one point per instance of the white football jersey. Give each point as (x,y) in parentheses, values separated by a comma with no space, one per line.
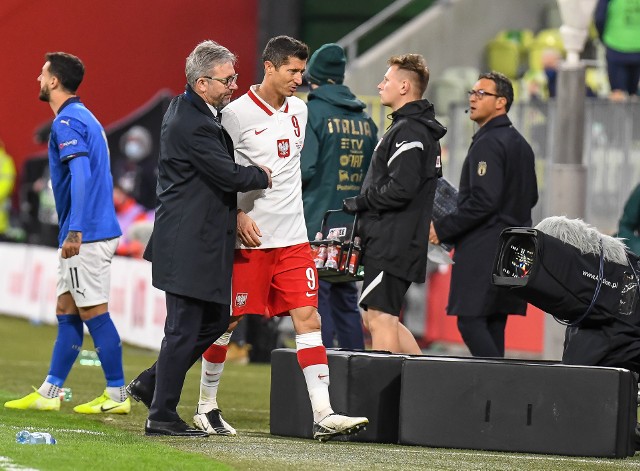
(274,138)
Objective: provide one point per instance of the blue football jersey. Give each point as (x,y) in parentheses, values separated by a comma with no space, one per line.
(77,134)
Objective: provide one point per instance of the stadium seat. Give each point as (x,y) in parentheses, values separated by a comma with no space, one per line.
(545,39)
(451,88)
(466,76)
(446,91)
(524,38)
(549,38)
(503,56)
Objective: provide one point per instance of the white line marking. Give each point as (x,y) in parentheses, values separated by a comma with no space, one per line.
(439,451)
(8,465)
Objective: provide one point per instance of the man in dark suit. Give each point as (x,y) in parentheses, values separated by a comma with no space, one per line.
(498,189)
(191,248)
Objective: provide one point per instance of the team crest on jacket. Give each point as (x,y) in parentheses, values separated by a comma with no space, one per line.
(482,168)
(241,299)
(284,150)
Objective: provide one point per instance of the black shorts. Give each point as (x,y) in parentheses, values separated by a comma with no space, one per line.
(383,292)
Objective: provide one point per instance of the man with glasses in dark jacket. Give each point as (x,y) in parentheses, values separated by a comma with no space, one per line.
(498,189)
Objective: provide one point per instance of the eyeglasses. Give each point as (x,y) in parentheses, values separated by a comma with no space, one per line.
(227,81)
(480,94)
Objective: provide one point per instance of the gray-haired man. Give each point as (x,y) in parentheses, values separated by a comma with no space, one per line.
(191,248)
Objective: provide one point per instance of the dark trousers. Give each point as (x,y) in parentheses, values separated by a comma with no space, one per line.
(192,325)
(484,336)
(340,315)
(623,74)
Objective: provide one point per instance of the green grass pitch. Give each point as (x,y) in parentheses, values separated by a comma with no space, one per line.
(116,443)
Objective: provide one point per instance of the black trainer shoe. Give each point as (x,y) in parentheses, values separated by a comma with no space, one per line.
(178,428)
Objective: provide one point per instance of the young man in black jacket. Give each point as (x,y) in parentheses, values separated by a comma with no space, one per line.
(396,201)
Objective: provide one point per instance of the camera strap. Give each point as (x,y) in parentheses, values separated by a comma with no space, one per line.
(595,293)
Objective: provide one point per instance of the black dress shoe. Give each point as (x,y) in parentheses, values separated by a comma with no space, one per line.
(179,428)
(140,392)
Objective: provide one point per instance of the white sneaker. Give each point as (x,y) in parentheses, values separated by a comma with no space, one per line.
(334,425)
(213,423)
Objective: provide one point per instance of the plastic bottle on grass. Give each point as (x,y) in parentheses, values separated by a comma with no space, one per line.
(65,394)
(88,358)
(24,437)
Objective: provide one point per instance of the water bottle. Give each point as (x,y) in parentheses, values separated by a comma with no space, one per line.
(343,261)
(88,358)
(319,252)
(355,257)
(24,437)
(65,394)
(320,256)
(333,255)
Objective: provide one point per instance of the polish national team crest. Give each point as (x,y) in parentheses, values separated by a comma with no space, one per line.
(284,150)
(241,299)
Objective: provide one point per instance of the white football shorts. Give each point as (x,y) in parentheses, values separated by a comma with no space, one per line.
(87,276)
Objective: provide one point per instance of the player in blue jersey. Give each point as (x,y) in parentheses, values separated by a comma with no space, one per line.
(89,233)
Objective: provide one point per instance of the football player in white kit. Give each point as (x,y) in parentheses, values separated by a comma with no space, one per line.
(274,273)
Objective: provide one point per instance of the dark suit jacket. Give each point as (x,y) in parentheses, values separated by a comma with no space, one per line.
(194,234)
(497,190)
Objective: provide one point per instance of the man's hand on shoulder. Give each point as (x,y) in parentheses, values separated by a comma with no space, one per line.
(248,231)
(71,244)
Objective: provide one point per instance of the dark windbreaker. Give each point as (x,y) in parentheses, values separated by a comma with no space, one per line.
(396,200)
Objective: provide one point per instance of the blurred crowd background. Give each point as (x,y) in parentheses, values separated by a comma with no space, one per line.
(134,53)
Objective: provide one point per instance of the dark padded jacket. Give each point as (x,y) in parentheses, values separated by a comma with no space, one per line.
(338,145)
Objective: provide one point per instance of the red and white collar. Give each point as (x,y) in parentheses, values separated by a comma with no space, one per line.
(266,107)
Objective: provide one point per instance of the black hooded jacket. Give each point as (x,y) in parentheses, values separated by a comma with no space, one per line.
(337,129)
(395,203)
